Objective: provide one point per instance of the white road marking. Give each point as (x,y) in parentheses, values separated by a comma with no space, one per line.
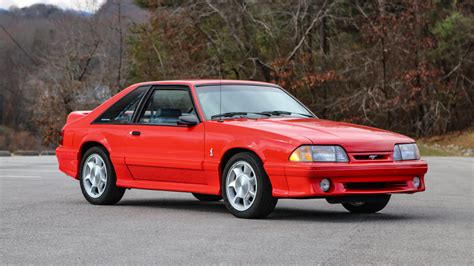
(20,176)
(30,170)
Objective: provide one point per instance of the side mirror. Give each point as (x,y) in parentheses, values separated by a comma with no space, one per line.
(188,120)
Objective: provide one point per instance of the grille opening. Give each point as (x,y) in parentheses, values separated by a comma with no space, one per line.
(371,157)
(374,185)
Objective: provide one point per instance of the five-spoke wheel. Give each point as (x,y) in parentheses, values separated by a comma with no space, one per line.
(95,175)
(245,186)
(97,178)
(241,185)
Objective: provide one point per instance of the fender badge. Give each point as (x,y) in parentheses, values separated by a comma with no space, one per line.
(211,152)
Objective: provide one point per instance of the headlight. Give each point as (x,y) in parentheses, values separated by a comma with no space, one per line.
(319,153)
(403,152)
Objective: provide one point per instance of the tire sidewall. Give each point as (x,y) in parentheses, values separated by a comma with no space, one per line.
(260,178)
(110,184)
(369,207)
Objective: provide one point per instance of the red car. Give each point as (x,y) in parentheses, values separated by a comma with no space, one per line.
(248,143)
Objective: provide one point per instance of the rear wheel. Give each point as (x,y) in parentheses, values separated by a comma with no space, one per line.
(245,187)
(97,178)
(205,197)
(373,206)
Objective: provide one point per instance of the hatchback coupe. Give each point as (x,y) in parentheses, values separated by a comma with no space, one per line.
(248,143)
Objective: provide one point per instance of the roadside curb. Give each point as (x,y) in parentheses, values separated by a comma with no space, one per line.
(26,153)
(5,154)
(47,153)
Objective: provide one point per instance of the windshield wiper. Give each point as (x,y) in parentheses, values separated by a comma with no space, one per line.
(232,114)
(284,113)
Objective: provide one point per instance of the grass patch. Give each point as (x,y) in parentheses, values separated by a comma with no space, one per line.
(427,150)
(460,143)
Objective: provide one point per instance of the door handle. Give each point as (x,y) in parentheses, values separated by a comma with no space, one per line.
(135,133)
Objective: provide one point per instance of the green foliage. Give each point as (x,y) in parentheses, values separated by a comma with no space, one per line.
(145,50)
(454,33)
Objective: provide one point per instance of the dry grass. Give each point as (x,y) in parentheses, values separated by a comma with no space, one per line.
(460,143)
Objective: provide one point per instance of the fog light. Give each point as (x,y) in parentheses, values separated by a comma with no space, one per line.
(416,182)
(325,185)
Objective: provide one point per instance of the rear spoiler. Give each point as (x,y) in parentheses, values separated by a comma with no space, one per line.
(73,116)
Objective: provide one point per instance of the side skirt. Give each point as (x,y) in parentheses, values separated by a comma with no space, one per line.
(168,186)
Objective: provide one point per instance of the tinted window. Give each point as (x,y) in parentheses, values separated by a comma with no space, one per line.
(165,106)
(246,98)
(123,110)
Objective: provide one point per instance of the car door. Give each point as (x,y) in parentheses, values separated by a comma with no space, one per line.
(159,149)
(115,123)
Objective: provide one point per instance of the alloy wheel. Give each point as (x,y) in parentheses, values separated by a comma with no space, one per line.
(94,175)
(241,185)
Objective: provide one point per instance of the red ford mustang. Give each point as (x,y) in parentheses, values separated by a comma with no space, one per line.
(248,143)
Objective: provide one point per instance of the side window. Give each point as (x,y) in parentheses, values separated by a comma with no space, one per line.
(165,106)
(122,111)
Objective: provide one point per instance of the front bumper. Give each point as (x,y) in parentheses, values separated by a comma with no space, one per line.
(354,178)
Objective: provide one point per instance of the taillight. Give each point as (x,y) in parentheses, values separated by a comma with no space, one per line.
(61,138)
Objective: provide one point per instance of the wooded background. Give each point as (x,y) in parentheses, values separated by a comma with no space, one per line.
(405,66)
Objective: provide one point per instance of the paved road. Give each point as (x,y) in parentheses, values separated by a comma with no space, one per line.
(44,219)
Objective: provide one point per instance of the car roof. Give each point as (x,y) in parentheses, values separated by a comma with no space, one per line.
(200,82)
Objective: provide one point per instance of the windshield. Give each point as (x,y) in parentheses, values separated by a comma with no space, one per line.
(248,100)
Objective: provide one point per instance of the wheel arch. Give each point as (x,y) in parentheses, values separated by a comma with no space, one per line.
(85,146)
(231,152)
(89,144)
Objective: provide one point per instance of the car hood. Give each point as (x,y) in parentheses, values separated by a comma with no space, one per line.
(354,138)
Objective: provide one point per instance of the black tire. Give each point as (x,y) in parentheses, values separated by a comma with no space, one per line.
(206,197)
(112,194)
(373,206)
(263,203)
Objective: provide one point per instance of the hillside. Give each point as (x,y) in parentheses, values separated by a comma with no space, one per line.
(47,53)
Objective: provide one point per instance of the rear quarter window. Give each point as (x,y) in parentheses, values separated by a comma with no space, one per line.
(123,110)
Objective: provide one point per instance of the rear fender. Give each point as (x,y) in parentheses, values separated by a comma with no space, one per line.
(94,136)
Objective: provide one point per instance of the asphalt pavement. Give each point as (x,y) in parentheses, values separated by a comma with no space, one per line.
(45,220)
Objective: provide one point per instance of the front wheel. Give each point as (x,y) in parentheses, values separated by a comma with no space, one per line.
(373,206)
(246,188)
(97,178)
